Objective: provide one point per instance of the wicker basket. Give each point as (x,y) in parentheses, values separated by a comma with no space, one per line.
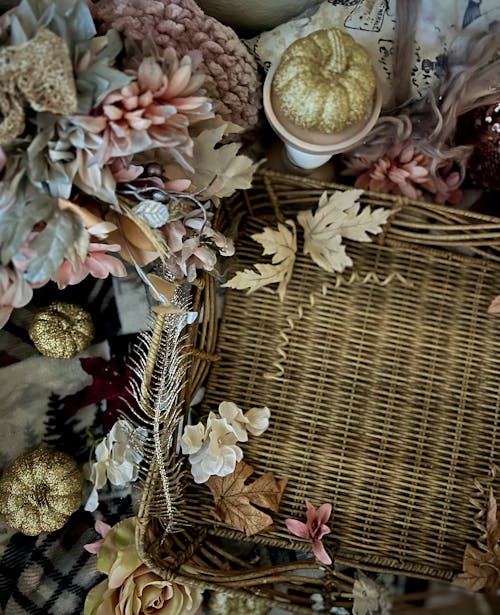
(384,390)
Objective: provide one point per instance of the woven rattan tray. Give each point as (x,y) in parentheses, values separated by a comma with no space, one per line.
(384,391)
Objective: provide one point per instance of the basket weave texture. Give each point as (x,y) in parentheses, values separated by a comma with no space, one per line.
(382,382)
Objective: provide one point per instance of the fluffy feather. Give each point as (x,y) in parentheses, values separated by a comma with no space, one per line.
(430,124)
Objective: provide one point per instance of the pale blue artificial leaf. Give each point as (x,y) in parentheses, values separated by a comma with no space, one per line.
(17,222)
(95,83)
(153,213)
(51,246)
(69,19)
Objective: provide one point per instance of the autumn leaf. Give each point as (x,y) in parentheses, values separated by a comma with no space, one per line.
(52,244)
(282,245)
(481,570)
(492,528)
(235,502)
(218,169)
(494,307)
(481,566)
(337,218)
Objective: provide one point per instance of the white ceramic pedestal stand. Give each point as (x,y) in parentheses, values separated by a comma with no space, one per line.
(308,149)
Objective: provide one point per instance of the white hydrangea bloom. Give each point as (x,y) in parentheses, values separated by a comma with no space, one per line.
(219,454)
(212,449)
(256,420)
(192,438)
(234,416)
(117,460)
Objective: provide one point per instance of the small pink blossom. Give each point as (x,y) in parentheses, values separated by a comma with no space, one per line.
(154,181)
(98,264)
(124,171)
(103,530)
(177,185)
(193,244)
(15,292)
(314,529)
(406,170)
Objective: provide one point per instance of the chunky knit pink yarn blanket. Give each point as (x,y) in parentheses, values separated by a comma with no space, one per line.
(232,79)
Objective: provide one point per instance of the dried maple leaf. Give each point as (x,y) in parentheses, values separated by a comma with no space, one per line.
(481,570)
(218,169)
(481,567)
(282,245)
(235,502)
(492,526)
(336,218)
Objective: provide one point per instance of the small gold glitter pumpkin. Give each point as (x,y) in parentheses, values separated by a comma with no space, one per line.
(325,82)
(61,330)
(40,491)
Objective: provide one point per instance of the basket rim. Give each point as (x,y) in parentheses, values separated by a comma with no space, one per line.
(483,228)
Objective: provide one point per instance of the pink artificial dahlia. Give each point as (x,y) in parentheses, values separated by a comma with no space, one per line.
(406,170)
(231,71)
(15,292)
(154,110)
(98,264)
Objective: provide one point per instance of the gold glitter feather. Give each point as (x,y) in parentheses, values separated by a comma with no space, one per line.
(160,365)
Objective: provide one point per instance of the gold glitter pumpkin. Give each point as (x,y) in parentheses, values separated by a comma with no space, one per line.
(40,491)
(325,82)
(61,330)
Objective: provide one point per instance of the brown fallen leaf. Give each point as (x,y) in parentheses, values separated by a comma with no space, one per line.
(235,502)
(481,570)
(481,566)
(492,528)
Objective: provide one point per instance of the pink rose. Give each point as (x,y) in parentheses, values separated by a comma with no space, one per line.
(15,292)
(131,587)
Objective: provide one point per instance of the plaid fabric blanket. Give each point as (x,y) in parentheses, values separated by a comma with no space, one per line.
(52,573)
